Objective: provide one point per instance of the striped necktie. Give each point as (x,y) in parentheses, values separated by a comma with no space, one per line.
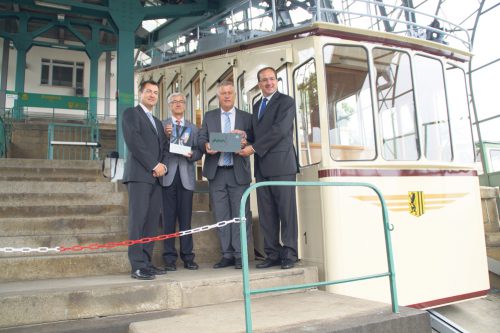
(227,158)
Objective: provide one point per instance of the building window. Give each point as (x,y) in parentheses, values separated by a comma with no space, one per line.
(62,73)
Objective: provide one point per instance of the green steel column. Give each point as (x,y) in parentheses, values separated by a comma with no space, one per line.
(22,41)
(94,51)
(127,15)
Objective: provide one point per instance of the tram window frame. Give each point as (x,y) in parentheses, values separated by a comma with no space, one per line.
(420,109)
(372,138)
(380,114)
(210,103)
(240,86)
(300,135)
(457,151)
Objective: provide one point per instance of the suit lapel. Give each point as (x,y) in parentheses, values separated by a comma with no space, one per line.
(218,117)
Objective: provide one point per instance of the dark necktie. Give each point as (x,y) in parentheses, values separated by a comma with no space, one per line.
(262,107)
(178,130)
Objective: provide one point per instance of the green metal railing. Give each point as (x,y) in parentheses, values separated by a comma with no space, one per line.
(73,141)
(244,249)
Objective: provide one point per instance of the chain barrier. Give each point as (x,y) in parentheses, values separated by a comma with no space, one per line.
(110,245)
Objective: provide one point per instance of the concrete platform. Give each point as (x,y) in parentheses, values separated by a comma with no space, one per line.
(478,315)
(310,311)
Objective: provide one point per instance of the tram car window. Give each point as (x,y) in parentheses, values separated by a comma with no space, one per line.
(350,110)
(432,111)
(396,105)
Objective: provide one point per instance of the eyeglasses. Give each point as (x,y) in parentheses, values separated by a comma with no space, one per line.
(177,102)
(149,91)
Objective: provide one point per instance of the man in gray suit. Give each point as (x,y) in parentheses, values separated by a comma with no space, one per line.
(228,174)
(179,183)
(146,164)
(275,160)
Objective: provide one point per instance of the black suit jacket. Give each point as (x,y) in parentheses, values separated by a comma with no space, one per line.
(212,123)
(273,137)
(146,147)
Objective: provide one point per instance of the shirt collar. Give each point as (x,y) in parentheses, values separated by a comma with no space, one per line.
(145,109)
(230,112)
(174,120)
(270,96)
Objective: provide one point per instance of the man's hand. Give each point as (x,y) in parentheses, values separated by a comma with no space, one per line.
(168,130)
(188,155)
(243,135)
(210,151)
(247,151)
(159,170)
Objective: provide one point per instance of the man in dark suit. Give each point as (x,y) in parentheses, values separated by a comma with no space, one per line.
(228,173)
(146,164)
(179,182)
(275,160)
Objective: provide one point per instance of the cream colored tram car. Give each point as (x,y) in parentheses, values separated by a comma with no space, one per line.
(377,108)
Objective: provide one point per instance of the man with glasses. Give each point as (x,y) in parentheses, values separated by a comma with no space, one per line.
(228,173)
(179,183)
(146,163)
(275,160)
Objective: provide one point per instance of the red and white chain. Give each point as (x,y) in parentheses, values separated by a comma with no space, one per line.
(111,245)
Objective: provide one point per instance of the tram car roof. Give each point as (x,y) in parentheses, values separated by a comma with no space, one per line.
(329,30)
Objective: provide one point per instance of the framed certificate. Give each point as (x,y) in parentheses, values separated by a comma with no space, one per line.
(179,140)
(225,142)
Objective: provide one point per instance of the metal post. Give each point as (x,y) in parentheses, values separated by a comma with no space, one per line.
(273,3)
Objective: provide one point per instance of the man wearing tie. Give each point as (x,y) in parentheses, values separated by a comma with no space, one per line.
(179,183)
(228,173)
(275,160)
(146,163)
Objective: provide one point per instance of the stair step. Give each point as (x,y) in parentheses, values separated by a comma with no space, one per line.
(31,186)
(45,199)
(25,303)
(54,178)
(55,240)
(69,225)
(79,210)
(26,163)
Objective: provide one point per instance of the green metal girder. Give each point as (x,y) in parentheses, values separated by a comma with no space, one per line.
(174,11)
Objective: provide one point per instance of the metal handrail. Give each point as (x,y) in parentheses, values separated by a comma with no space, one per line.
(244,249)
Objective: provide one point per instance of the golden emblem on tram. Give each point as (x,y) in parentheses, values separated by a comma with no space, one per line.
(416,203)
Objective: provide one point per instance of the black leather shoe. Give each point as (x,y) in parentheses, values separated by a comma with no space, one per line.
(171,267)
(142,274)
(224,262)
(287,263)
(237,263)
(268,263)
(191,265)
(157,270)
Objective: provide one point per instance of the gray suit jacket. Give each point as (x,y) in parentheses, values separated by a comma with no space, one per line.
(273,137)
(212,123)
(183,164)
(146,147)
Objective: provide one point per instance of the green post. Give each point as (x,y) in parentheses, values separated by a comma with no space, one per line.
(127,15)
(244,249)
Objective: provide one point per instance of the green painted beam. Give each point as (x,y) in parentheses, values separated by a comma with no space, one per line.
(173,11)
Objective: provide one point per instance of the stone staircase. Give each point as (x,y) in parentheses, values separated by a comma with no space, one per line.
(65,203)
(489,197)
